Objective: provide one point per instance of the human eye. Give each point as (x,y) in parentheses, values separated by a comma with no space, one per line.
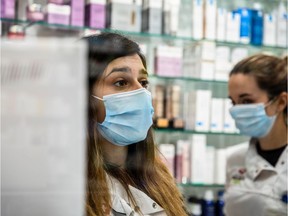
(121,83)
(247,101)
(144,83)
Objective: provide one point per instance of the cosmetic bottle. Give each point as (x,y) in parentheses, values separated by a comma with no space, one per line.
(219,204)
(208,206)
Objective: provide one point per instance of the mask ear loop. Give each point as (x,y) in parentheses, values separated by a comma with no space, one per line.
(97,97)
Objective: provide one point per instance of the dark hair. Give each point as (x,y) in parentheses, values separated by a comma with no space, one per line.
(270,73)
(106,47)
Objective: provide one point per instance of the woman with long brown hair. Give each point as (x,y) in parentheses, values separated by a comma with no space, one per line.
(125,174)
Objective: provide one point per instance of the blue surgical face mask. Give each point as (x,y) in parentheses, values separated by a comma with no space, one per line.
(252,119)
(128,117)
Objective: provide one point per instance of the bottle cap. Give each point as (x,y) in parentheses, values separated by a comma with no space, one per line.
(209,195)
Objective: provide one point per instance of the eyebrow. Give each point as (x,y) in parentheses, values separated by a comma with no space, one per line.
(126,69)
(241,95)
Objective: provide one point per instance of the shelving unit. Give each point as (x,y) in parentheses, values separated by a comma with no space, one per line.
(219,140)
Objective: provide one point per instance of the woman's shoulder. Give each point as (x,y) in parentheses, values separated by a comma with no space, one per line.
(236,154)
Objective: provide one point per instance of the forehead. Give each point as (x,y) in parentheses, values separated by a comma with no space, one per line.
(242,83)
(133,62)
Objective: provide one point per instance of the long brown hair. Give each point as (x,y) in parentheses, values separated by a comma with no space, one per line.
(270,73)
(144,169)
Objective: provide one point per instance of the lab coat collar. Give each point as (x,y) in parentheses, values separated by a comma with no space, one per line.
(256,164)
(120,199)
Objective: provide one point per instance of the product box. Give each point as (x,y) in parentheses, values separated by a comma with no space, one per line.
(245,24)
(257,27)
(168,156)
(77,12)
(198,159)
(269,31)
(233,27)
(222,63)
(152,16)
(168,60)
(204,56)
(197,19)
(210,19)
(196,110)
(116,9)
(95,13)
(210,165)
(188,62)
(8,9)
(282,23)
(217,115)
(220,166)
(58,14)
(182,161)
(173,107)
(202,114)
(221,24)
(229,123)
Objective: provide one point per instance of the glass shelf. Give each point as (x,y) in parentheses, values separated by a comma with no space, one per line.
(200,185)
(168,130)
(187,79)
(138,34)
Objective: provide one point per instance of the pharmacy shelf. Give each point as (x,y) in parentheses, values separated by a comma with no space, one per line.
(191,79)
(168,130)
(201,185)
(27,24)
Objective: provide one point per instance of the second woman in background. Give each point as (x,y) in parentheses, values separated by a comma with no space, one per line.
(257,176)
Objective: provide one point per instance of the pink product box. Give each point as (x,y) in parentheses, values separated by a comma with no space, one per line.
(58,14)
(8,9)
(168,66)
(77,12)
(95,15)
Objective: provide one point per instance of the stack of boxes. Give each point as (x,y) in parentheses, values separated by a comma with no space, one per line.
(204,19)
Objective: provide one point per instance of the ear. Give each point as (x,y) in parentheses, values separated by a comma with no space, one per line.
(282,101)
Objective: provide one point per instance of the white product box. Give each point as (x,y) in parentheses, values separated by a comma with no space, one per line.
(210,165)
(282,22)
(269,28)
(220,166)
(132,19)
(198,159)
(152,16)
(217,115)
(202,117)
(168,156)
(222,63)
(210,19)
(197,19)
(221,24)
(174,15)
(206,69)
(229,123)
(233,27)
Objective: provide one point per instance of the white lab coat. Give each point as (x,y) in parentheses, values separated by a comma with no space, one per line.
(254,187)
(122,206)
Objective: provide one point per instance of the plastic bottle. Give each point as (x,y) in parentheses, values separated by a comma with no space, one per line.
(219,203)
(208,207)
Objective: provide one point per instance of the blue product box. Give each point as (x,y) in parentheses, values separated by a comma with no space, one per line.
(257,27)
